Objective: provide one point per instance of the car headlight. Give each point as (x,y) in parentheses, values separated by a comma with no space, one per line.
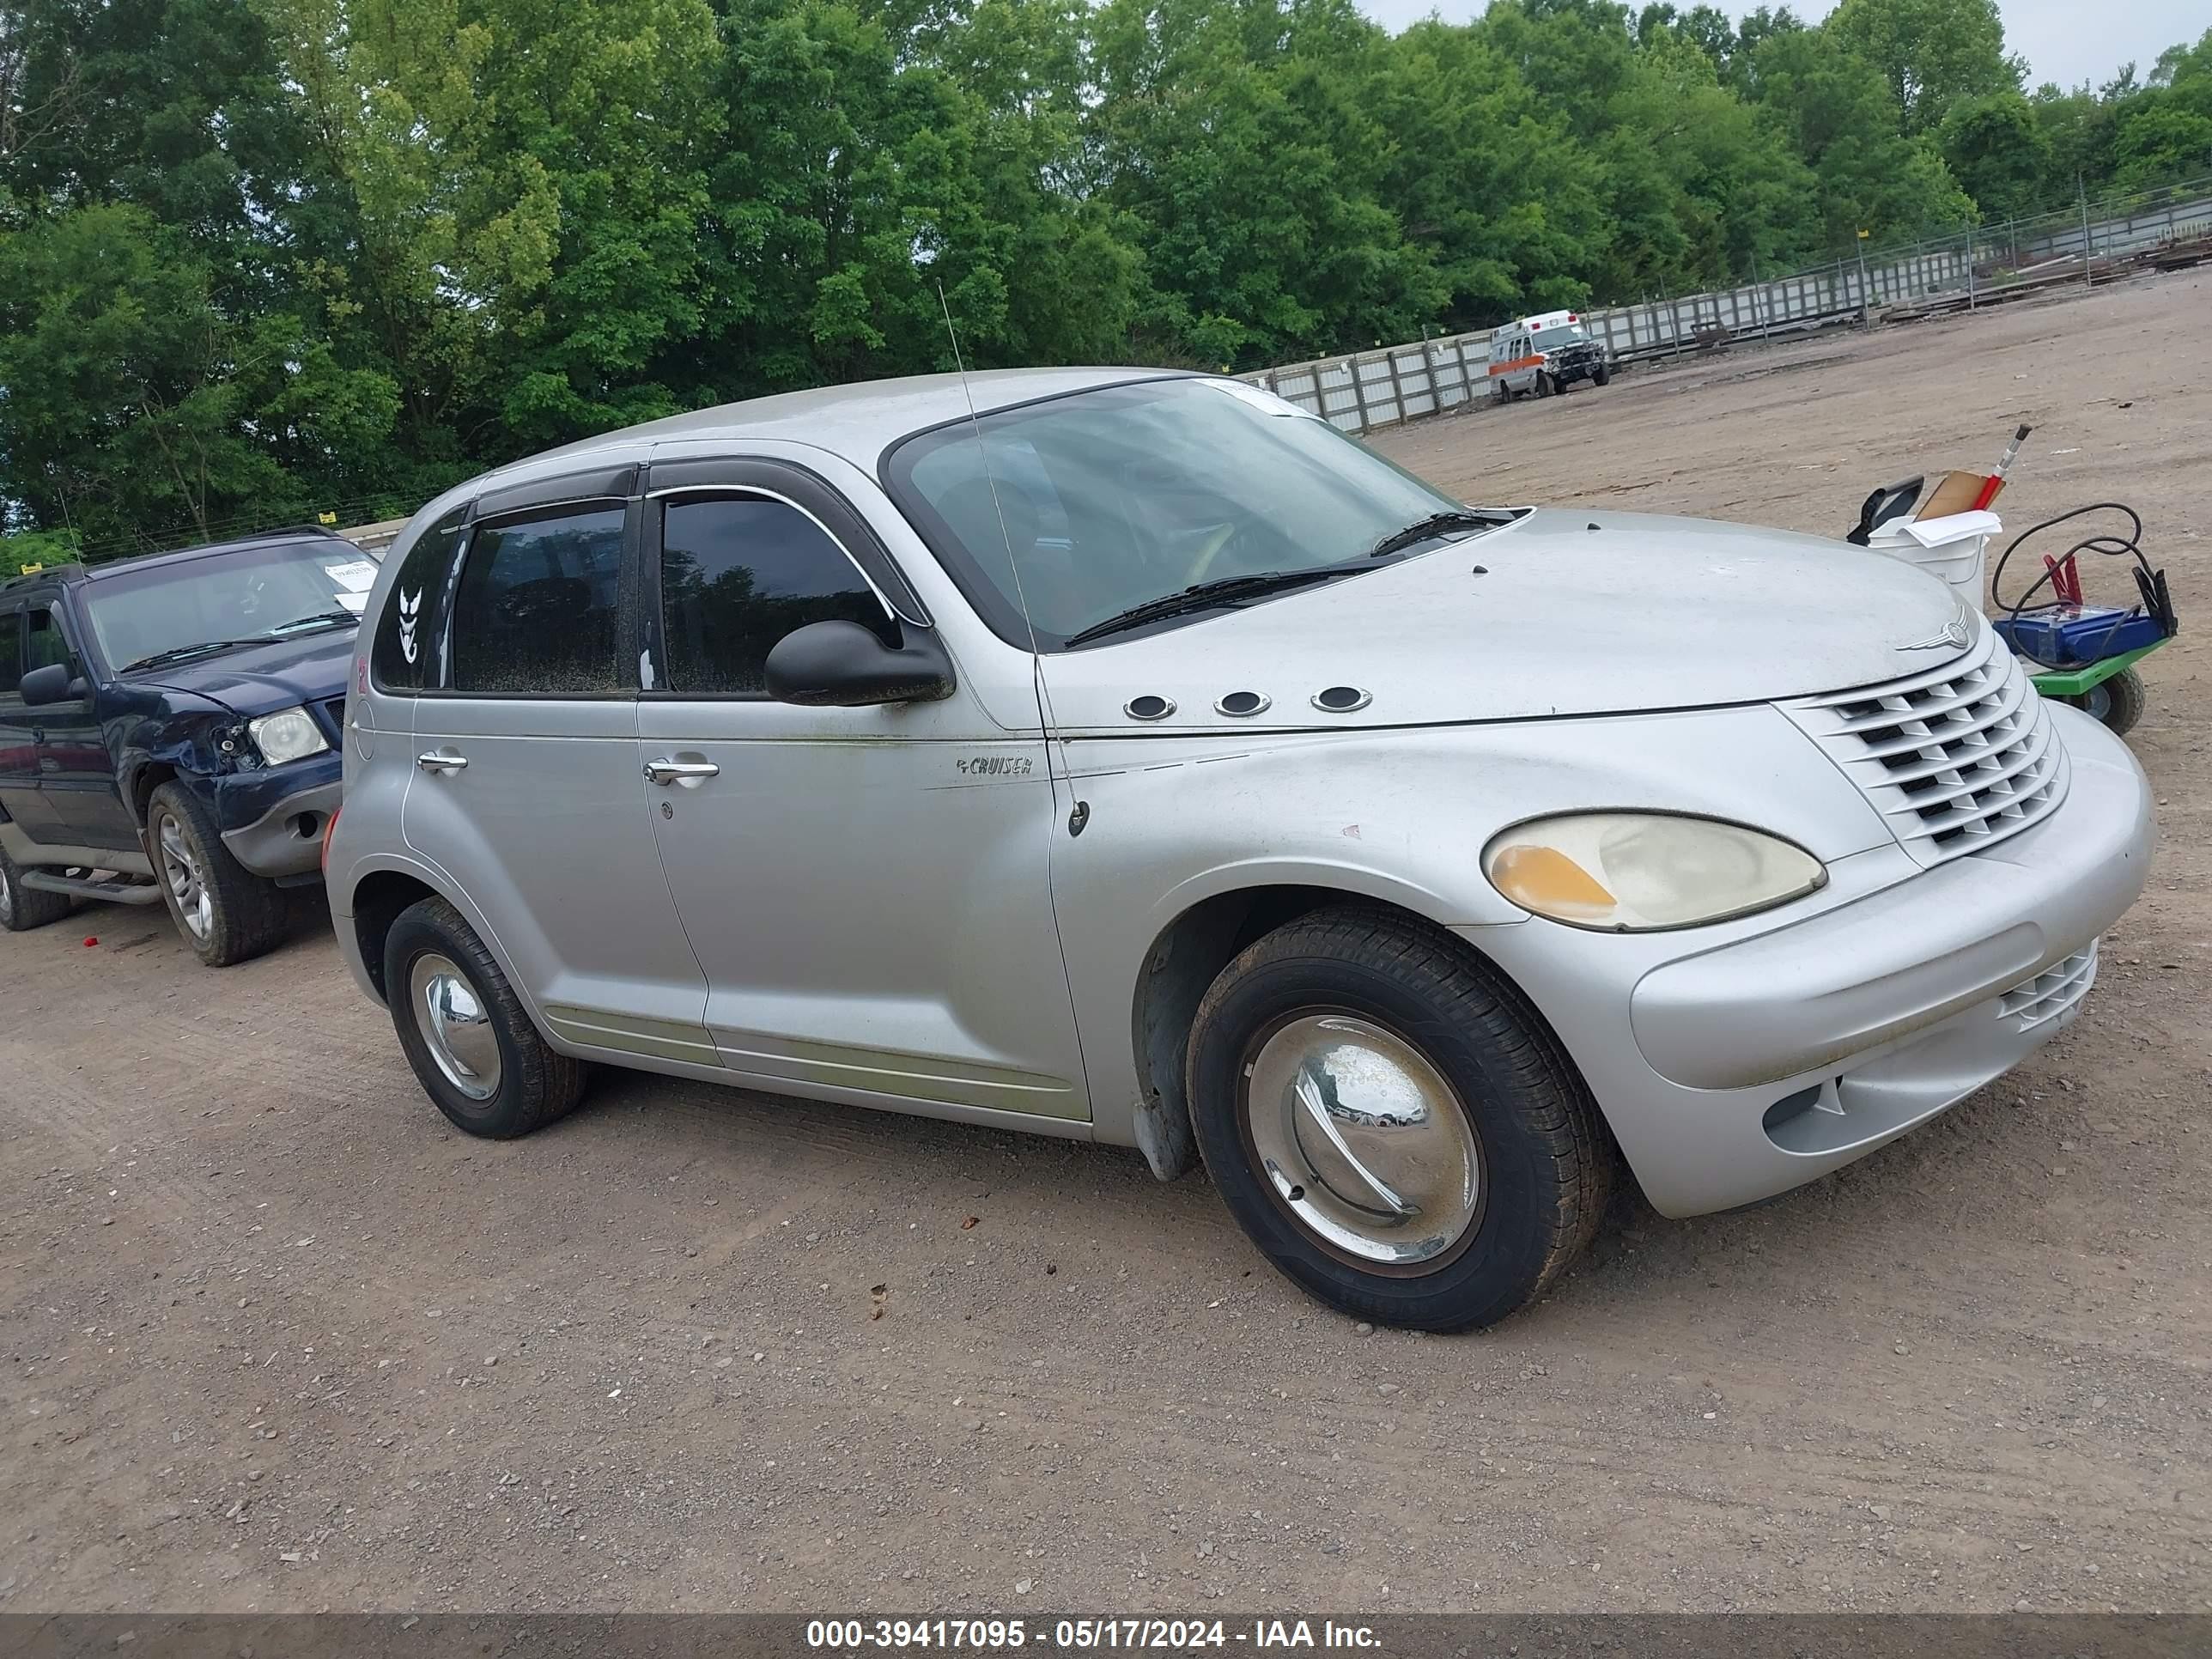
(289,734)
(1631,872)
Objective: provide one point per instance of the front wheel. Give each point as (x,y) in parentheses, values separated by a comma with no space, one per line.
(226,913)
(471,1041)
(1601,376)
(1546,385)
(2116,700)
(1392,1124)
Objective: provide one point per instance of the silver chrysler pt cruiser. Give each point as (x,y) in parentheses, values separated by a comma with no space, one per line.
(1134,757)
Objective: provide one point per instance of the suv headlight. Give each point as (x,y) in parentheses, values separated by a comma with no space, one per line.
(1631,872)
(289,734)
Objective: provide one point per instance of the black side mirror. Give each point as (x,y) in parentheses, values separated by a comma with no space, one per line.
(841,664)
(51,684)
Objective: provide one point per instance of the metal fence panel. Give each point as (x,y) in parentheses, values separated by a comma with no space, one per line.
(1403,382)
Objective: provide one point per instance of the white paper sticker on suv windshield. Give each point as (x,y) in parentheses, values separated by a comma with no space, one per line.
(357,577)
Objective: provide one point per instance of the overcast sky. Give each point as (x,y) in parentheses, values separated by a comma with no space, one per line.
(2067,42)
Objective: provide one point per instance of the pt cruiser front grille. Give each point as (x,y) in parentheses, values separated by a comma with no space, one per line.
(1956,758)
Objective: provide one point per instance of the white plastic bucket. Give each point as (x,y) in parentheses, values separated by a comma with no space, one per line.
(1952,547)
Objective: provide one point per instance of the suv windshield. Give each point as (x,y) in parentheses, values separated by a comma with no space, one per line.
(251,594)
(1113,498)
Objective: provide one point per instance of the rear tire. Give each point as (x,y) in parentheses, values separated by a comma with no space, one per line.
(21,907)
(1444,1163)
(473,1046)
(226,913)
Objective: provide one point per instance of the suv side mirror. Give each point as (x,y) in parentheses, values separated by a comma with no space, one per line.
(51,685)
(841,664)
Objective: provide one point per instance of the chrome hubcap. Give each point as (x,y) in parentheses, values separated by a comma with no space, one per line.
(455,1027)
(1363,1140)
(188,888)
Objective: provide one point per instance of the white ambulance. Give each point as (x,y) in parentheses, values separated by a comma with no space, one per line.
(1544,354)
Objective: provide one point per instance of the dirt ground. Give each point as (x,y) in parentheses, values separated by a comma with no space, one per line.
(277,1339)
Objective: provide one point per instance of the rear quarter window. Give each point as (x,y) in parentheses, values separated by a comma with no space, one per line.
(410,633)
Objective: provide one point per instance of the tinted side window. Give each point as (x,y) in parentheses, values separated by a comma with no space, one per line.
(11,650)
(737,572)
(413,626)
(44,642)
(537,604)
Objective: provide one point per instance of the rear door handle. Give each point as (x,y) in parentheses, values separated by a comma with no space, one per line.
(666,771)
(434,762)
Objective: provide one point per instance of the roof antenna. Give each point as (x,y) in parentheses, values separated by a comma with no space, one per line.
(925,255)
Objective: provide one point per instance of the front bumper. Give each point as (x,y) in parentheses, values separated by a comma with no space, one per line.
(1734,1064)
(273,819)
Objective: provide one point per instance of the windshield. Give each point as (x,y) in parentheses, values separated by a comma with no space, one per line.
(256,593)
(1114,497)
(1551,339)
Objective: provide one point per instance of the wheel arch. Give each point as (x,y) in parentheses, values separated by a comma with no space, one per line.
(144,780)
(1187,954)
(377,900)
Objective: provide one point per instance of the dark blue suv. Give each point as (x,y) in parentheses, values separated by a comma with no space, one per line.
(170,730)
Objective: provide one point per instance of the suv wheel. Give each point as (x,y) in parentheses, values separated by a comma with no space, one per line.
(1392,1125)
(226,913)
(21,907)
(466,1033)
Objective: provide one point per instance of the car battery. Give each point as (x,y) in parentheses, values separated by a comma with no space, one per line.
(2075,635)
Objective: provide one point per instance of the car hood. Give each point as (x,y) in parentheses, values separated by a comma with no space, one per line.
(1573,613)
(260,679)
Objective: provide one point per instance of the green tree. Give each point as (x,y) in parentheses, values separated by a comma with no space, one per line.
(1482,176)
(135,411)
(1998,153)
(1256,176)
(1931,53)
(2182,63)
(2162,140)
(1834,108)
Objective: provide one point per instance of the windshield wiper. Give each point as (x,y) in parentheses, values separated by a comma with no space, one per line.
(1202,596)
(178,653)
(1437,524)
(321,619)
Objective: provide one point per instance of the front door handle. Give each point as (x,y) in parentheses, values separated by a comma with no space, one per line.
(434,762)
(667,771)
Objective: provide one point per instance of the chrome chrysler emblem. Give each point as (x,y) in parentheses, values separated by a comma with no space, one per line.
(1954,635)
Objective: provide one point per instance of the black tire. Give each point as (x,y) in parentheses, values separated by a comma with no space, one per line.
(1499,392)
(1546,1164)
(21,907)
(1601,376)
(244,915)
(535,1086)
(1546,385)
(2117,701)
